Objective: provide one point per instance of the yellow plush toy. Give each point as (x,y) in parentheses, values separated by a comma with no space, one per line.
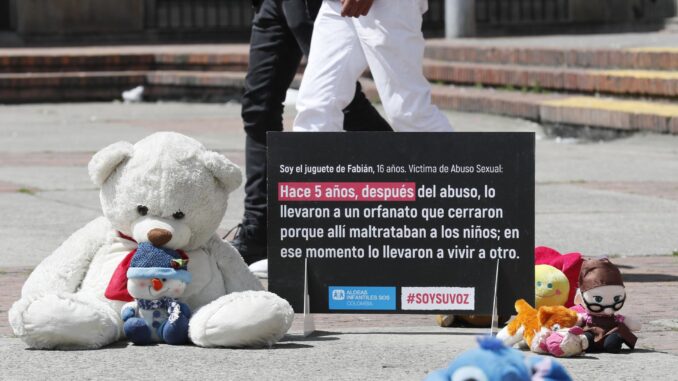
(551,287)
(529,321)
(555,277)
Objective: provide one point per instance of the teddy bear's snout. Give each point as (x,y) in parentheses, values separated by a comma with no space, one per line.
(159,237)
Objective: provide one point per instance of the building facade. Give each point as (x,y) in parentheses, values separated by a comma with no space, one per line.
(45,20)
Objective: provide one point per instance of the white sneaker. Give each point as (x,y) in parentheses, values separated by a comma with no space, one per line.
(260,268)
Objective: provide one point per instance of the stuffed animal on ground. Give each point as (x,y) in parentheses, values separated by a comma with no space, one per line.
(156,278)
(602,295)
(529,321)
(560,342)
(555,277)
(551,286)
(493,361)
(555,284)
(166,189)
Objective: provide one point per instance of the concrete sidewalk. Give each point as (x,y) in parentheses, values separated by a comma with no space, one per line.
(616,198)
(402,353)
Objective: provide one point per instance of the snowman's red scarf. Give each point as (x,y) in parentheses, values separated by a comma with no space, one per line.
(117,287)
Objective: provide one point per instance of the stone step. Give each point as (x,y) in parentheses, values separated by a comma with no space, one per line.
(39,63)
(236,56)
(194,85)
(549,108)
(558,109)
(671,25)
(637,82)
(70,86)
(24,63)
(109,85)
(652,83)
(645,58)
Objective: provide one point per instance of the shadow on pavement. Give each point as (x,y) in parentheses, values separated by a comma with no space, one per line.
(585,356)
(442,333)
(116,345)
(315,336)
(120,345)
(291,346)
(641,350)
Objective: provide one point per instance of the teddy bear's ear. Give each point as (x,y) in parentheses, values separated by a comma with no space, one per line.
(223,170)
(104,162)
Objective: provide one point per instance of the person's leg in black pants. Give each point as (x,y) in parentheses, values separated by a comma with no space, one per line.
(281,34)
(273,61)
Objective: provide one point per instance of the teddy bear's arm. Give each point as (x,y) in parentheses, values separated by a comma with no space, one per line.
(65,268)
(237,277)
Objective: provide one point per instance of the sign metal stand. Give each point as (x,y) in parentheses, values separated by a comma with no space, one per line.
(309,324)
(494,327)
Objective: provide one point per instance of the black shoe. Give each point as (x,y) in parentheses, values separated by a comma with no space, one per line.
(250,241)
(613,343)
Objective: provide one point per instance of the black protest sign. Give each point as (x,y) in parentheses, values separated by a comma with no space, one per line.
(401,222)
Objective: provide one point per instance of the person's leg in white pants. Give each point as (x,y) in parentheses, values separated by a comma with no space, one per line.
(336,56)
(389,39)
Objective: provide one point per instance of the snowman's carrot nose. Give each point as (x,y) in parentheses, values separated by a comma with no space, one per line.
(157,284)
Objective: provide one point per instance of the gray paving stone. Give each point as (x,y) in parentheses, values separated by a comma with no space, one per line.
(597,198)
(393,353)
(33,227)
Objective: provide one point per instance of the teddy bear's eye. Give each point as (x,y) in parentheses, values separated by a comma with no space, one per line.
(598,299)
(142,210)
(178,215)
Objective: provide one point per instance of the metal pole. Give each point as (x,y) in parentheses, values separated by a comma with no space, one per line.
(460,18)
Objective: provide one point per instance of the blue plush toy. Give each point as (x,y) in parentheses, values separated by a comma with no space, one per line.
(494,361)
(156,278)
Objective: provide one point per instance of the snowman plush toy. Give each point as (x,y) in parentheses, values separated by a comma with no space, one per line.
(156,278)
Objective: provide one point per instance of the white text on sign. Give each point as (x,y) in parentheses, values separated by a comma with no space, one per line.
(438,298)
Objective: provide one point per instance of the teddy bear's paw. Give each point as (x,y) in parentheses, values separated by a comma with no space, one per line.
(64,321)
(242,319)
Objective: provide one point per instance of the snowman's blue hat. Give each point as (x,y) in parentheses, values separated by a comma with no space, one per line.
(154,262)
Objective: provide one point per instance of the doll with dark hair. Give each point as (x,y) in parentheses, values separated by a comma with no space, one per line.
(601,296)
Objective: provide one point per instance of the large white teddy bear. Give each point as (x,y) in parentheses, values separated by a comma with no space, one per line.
(169,190)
